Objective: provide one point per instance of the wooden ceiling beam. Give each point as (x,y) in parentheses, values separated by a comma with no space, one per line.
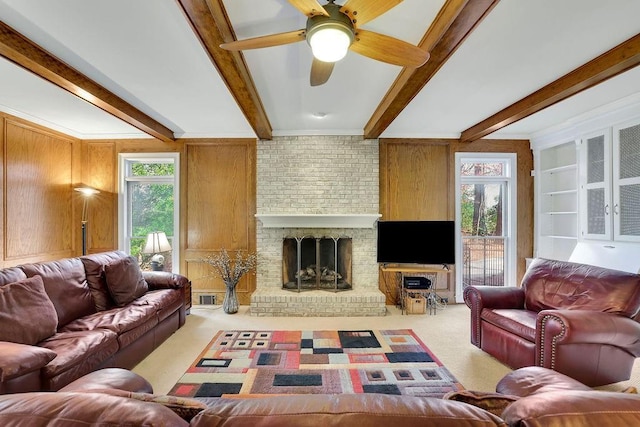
(454,23)
(611,63)
(211,25)
(28,55)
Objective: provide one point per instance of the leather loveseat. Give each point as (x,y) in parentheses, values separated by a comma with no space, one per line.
(526,397)
(60,320)
(577,319)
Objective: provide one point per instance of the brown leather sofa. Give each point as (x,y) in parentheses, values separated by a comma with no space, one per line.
(574,318)
(60,320)
(528,397)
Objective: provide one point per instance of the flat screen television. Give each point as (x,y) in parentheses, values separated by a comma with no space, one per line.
(416,242)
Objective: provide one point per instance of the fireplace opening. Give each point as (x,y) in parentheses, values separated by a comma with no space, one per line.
(310,263)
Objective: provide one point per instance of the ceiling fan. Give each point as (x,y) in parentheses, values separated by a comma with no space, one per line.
(333,29)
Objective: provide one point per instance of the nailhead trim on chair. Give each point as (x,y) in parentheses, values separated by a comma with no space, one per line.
(554,341)
(476,314)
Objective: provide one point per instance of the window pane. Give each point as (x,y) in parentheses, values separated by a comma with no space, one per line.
(151,169)
(151,208)
(482,209)
(482,169)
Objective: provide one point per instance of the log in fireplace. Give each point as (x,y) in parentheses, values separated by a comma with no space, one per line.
(310,263)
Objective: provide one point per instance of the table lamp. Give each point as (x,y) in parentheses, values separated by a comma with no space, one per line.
(156,242)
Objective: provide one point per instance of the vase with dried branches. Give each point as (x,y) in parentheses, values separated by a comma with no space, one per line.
(230,271)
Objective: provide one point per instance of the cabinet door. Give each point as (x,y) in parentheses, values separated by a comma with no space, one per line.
(595,186)
(626,181)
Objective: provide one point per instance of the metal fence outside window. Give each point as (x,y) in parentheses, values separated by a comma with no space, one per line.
(483,261)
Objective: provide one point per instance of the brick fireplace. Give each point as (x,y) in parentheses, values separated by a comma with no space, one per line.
(317,186)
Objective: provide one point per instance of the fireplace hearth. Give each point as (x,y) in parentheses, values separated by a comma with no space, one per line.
(316,263)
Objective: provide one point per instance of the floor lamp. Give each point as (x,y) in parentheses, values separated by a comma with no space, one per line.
(86,192)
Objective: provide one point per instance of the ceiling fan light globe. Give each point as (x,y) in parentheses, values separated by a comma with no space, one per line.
(330,44)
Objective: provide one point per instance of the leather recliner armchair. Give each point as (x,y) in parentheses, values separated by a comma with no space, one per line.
(577,319)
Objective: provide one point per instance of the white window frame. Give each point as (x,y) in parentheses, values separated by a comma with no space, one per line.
(510,178)
(124,159)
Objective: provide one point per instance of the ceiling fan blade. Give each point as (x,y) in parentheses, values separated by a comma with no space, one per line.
(309,7)
(388,49)
(265,41)
(320,72)
(363,11)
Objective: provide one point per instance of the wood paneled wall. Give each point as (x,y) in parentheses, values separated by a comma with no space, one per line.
(41,212)
(414,178)
(39,207)
(417,182)
(220,207)
(217,201)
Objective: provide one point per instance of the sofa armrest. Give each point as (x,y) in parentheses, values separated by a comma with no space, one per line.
(110,378)
(20,359)
(478,298)
(558,327)
(574,408)
(164,280)
(530,380)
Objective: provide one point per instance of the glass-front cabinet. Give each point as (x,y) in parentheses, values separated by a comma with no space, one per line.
(595,185)
(610,183)
(626,181)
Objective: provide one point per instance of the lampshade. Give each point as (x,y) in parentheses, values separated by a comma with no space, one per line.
(87,191)
(330,43)
(156,242)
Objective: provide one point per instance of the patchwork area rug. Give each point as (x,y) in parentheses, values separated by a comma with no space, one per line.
(313,362)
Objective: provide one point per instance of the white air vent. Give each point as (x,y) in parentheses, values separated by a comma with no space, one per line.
(208,300)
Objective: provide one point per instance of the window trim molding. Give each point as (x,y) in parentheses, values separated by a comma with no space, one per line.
(511,179)
(123,160)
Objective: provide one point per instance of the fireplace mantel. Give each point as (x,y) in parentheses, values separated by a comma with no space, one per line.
(318,220)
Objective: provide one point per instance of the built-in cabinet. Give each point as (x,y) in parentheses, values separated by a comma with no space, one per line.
(595,185)
(556,200)
(626,181)
(587,185)
(610,184)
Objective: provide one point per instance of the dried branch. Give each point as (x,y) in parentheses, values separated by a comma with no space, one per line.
(230,271)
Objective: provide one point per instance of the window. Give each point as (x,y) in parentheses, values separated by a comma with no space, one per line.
(486,219)
(148,191)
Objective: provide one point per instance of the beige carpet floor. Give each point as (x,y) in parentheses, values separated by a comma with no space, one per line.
(445,333)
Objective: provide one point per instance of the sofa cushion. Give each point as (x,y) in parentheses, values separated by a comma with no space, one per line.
(94,270)
(27,315)
(519,322)
(551,284)
(11,274)
(124,280)
(165,301)
(119,319)
(20,359)
(66,285)
(81,351)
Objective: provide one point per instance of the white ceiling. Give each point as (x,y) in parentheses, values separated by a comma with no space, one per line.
(145,52)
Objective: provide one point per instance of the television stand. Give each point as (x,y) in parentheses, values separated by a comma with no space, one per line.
(433,301)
